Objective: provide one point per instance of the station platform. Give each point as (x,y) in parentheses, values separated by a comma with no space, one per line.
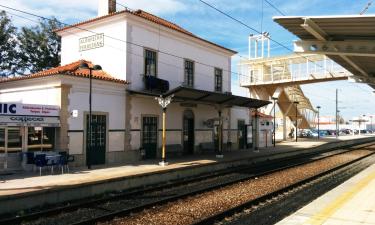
(25,190)
(350,203)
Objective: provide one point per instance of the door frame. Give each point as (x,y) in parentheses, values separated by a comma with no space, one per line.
(5,154)
(182,130)
(157,132)
(85,131)
(244,133)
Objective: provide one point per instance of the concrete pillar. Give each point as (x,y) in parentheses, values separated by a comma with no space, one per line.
(284,128)
(62,139)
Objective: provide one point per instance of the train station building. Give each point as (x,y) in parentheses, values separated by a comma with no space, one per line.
(141,57)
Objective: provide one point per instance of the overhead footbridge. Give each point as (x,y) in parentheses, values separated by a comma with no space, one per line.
(280,78)
(347,40)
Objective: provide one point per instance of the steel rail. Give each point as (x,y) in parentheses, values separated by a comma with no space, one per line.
(221,215)
(90,203)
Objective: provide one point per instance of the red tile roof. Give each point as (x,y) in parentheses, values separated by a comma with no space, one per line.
(71,69)
(261,115)
(150,17)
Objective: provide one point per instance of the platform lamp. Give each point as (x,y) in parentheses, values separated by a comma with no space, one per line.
(84,65)
(164,102)
(296,103)
(274,120)
(318,107)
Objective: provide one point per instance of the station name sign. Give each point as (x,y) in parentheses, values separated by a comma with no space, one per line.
(15,109)
(91,42)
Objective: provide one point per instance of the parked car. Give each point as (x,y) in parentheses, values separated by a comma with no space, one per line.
(323,133)
(308,133)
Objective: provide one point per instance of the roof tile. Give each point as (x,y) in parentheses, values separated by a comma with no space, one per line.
(71,69)
(149,17)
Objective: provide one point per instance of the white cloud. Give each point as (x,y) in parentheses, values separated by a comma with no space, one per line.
(67,10)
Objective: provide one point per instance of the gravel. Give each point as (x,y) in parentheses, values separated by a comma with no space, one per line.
(195,208)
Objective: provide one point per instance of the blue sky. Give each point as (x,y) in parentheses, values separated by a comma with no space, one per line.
(354,99)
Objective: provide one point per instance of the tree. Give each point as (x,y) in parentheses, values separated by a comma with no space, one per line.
(39,46)
(8,46)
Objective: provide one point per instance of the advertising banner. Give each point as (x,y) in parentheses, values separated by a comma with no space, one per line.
(19,109)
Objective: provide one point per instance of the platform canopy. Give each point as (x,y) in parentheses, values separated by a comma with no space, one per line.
(348,40)
(186,94)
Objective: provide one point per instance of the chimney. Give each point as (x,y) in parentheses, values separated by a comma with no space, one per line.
(106,7)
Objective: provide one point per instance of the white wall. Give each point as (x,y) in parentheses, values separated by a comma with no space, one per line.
(171,68)
(43,92)
(126,61)
(146,106)
(107,98)
(112,57)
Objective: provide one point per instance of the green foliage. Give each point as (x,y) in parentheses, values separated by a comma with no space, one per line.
(39,46)
(30,50)
(8,46)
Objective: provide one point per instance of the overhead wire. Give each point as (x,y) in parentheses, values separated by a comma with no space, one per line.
(274,7)
(258,32)
(125,41)
(366,7)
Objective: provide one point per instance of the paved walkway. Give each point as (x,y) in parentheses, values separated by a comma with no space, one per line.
(351,203)
(28,182)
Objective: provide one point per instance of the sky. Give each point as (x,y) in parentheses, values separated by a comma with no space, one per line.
(354,99)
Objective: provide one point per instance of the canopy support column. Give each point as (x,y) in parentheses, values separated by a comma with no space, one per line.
(164,102)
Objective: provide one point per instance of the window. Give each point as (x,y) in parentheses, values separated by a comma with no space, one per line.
(189,73)
(150,63)
(40,138)
(218,80)
(14,139)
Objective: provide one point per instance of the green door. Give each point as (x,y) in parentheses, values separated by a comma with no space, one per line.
(150,136)
(95,152)
(241,134)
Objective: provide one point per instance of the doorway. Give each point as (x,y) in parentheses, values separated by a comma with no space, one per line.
(96,144)
(10,147)
(188,132)
(241,134)
(150,136)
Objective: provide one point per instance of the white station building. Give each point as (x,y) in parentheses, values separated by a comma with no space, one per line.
(142,57)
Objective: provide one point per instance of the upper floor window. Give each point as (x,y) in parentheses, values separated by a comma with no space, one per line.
(189,73)
(218,80)
(150,62)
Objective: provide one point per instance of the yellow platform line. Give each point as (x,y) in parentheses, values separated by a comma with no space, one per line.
(330,209)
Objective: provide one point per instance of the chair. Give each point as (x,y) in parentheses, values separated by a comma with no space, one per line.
(52,161)
(40,161)
(64,160)
(30,158)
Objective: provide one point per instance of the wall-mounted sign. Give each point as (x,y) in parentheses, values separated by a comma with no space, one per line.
(31,121)
(19,109)
(91,42)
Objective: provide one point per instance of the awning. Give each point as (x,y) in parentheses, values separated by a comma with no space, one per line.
(347,40)
(185,94)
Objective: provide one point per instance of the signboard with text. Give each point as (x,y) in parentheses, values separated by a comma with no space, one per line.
(91,42)
(19,109)
(31,121)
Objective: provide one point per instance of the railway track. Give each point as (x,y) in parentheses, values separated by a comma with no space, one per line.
(289,199)
(108,208)
(274,210)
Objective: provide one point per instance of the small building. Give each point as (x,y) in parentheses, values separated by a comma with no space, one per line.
(263,128)
(143,57)
(37,115)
